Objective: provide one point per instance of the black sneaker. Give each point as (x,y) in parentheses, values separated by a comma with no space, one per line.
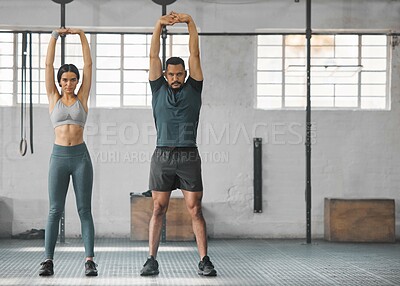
(90,268)
(150,267)
(206,268)
(46,268)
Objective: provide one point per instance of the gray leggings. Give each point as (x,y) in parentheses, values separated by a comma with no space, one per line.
(66,161)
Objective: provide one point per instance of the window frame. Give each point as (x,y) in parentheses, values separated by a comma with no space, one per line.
(39,53)
(282,84)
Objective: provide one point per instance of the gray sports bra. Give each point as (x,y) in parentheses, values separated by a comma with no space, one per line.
(74,114)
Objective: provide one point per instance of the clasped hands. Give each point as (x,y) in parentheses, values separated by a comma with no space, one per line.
(173,18)
(66,31)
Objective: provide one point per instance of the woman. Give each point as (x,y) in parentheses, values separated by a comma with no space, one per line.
(70,157)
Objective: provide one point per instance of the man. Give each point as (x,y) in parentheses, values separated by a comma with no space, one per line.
(176,163)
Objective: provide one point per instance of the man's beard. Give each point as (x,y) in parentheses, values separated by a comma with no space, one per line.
(176,89)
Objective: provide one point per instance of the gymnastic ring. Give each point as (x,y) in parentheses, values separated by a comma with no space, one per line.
(162,2)
(62,1)
(23,146)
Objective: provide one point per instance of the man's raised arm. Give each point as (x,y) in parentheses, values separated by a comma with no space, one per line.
(195,71)
(155,70)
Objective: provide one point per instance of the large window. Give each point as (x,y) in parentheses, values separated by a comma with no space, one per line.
(6,69)
(120,66)
(122,63)
(347,71)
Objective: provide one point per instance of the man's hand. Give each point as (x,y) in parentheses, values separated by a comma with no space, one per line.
(74,31)
(168,20)
(181,18)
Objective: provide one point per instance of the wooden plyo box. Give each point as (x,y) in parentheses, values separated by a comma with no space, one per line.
(178,221)
(359,220)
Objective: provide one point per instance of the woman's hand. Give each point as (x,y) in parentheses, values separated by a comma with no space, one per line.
(62,31)
(66,31)
(168,20)
(74,31)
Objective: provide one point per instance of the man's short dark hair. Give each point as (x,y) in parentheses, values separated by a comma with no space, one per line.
(175,61)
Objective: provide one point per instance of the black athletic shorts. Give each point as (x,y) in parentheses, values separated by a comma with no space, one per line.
(175,168)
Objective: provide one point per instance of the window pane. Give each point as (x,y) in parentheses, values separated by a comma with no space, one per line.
(322,52)
(346,52)
(322,40)
(295,51)
(334,77)
(180,39)
(373,90)
(269,77)
(135,51)
(136,76)
(269,52)
(322,90)
(373,102)
(270,40)
(296,79)
(73,49)
(73,40)
(108,38)
(296,40)
(135,88)
(108,63)
(346,90)
(373,77)
(297,90)
(374,64)
(346,40)
(346,101)
(373,52)
(296,62)
(269,64)
(108,75)
(322,102)
(77,61)
(269,89)
(374,40)
(295,101)
(136,63)
(180,51)
(135,39)
(109,50)
(108,88)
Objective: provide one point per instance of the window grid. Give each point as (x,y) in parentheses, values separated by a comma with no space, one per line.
(120,67)
(7,64)
(348,71)
(122,77)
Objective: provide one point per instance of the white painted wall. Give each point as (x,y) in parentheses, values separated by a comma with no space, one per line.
(355,153)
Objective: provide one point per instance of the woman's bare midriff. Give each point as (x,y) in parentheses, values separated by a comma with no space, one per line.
(68,135)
